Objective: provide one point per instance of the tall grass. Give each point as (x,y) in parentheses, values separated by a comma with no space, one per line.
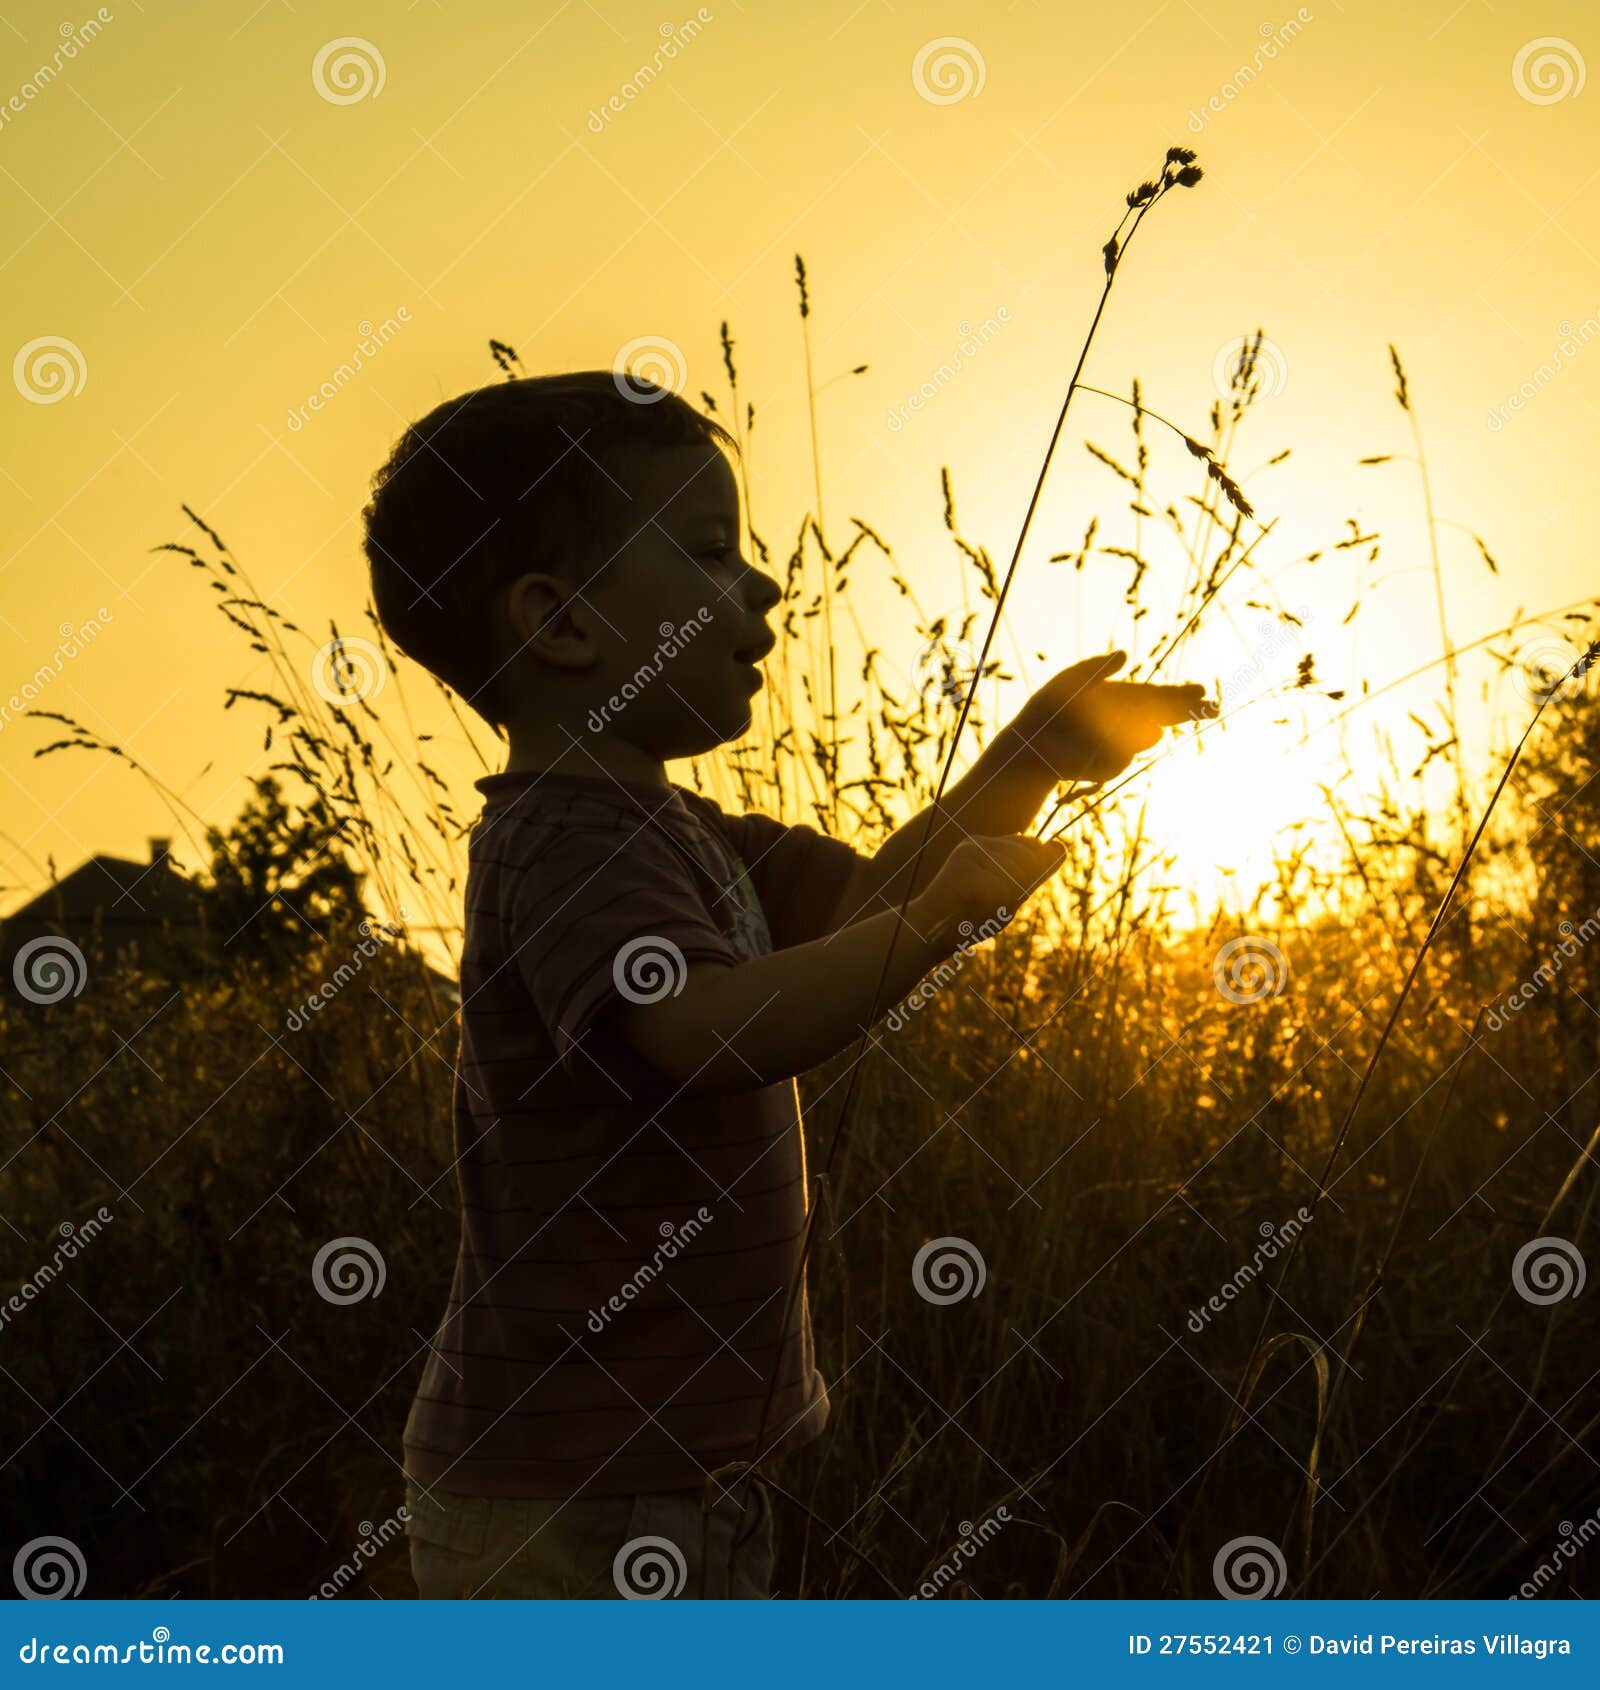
(1111,1104)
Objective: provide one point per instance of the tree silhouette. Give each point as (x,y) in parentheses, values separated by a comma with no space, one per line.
(280,881)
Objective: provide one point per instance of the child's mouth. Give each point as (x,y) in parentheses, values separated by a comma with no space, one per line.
(750,656)
(749,661)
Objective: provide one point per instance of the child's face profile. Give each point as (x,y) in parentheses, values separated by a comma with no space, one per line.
(681,617)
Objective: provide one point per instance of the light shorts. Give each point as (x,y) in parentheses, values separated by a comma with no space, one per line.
(714,1543)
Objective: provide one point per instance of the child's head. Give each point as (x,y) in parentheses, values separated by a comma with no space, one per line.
(564,552)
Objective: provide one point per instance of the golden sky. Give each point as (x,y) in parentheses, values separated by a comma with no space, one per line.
(212,206)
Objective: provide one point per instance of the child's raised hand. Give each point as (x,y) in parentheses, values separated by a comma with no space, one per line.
(1083,726)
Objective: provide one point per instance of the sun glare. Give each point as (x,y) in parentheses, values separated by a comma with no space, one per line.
(1226,802)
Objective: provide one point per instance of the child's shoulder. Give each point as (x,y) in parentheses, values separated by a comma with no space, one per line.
(533,821)
(561,803)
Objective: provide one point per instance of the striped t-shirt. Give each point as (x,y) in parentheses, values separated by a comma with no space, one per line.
(626,1249)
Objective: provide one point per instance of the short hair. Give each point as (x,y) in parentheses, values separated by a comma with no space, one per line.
(496,481)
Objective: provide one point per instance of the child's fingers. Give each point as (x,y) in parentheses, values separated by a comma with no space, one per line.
(1044,858)
(1022,861)
(1168,705)
(1066,684)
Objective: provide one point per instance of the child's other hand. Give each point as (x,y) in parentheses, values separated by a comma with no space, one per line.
(981,885)
(1083,726)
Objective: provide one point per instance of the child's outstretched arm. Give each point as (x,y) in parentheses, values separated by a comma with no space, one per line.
(730,1028)
(1079,726)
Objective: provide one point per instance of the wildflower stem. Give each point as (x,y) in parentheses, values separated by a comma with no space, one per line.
(1114,254)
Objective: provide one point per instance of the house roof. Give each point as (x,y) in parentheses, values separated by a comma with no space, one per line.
(126,900)
(121,895)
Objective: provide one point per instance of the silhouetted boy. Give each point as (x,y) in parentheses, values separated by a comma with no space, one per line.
(643,975)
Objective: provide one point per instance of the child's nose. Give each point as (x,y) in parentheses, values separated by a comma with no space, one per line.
(764,592)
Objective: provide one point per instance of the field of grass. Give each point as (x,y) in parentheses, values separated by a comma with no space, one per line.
(1277,1214)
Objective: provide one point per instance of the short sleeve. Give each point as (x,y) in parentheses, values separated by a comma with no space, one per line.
(799,874)
(594,917)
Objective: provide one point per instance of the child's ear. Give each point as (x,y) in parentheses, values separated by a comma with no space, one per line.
(551,620)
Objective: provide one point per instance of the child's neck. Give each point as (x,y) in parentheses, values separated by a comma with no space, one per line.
(537,750)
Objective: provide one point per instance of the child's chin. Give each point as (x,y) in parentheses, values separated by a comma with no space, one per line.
(732,723)
(737,722)
(741,722)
